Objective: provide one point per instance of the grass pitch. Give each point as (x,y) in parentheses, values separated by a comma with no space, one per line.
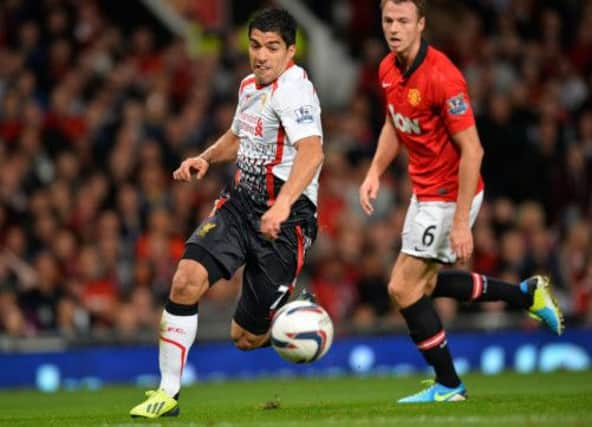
(558,399)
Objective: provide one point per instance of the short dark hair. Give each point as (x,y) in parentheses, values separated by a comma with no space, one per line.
(420,4)
(275,20)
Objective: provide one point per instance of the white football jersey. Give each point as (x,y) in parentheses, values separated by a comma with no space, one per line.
(269,120)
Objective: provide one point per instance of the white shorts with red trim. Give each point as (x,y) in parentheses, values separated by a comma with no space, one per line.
(427,228)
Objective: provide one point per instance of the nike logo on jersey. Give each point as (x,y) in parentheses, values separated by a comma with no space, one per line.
(386,85)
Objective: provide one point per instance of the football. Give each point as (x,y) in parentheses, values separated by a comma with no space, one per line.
(301,332)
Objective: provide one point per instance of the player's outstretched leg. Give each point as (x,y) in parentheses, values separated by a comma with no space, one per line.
(533,294)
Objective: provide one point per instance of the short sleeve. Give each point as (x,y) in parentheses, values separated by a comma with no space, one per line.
(235,127)
(452,99)
(298,109)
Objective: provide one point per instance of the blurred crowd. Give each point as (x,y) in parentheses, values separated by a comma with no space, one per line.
(95,117)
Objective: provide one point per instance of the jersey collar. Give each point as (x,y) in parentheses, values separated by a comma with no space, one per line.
(421,55)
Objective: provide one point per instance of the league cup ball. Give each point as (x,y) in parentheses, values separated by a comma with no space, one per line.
(301,332)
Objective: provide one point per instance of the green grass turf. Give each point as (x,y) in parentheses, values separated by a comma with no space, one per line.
(557,399)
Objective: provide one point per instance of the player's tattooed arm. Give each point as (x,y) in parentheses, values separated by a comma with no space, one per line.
(309,157)
(224,149)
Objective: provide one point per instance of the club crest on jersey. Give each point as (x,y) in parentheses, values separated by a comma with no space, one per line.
(404,124)
(205,229)
(414,97)
(457,105)
(304,114)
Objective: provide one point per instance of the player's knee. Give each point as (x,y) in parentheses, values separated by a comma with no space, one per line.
(431,284)
(244,342)
(401,289)
(397,290)
(189,282)
(244,345)
(404,292)
(182,281)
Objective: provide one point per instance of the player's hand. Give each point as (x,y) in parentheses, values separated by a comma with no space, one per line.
(461,240)
(193,164)
(368,192)
(272,220)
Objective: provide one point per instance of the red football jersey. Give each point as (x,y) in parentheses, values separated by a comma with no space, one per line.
(429,103)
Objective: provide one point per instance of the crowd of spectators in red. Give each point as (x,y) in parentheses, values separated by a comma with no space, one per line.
(94,118)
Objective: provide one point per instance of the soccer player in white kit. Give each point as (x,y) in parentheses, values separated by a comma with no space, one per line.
(265,220)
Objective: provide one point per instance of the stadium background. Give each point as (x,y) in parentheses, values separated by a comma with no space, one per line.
(100,100)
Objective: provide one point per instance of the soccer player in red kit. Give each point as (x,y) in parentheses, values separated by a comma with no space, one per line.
(429,113)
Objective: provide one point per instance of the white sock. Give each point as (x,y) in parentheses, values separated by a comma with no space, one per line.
(177,334)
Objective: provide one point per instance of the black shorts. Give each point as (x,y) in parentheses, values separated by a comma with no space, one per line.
(230,238)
